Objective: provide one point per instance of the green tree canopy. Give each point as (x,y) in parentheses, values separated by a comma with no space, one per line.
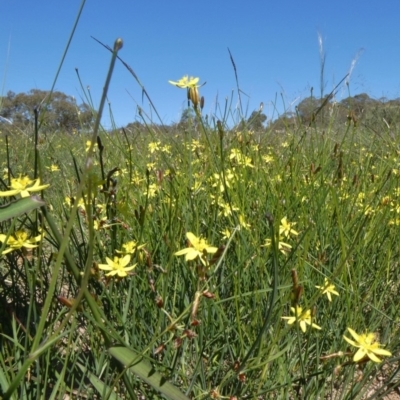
(256,121)
(57,110)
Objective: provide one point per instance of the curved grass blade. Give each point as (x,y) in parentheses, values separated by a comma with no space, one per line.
(100,386)
(146,372)
(19,207)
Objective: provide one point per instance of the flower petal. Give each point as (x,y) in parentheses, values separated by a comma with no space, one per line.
(360,354)
(9,193)
(192,254)
(127,269)
(382,352)
(373,357)
(182,252)
(351,341)
(123,262)
(211,249)
(105,267)
(192,238)
(354,334)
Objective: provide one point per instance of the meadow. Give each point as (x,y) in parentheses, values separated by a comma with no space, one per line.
(205,262)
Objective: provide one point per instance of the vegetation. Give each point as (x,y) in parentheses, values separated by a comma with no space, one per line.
(201,262)
(58,111)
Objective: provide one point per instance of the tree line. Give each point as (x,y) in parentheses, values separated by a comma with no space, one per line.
(326,111)
(59,111)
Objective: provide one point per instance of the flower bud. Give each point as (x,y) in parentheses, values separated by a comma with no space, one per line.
(118,44)
(194,96)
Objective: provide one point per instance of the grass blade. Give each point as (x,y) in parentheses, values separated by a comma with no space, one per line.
(146,372)
(19,207)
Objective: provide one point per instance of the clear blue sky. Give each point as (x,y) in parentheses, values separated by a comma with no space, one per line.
(274,45)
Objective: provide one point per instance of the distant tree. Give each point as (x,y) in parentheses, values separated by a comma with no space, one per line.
(187,119)
(287,121)
(312,109)
(135,127)
(256,121)
(307,107)
(57,111)
(387,111)
(188,115)
(359,109)
(359,103)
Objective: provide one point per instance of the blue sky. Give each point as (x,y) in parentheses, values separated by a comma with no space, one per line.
(274,45)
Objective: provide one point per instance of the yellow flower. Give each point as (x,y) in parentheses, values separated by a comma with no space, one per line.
(243,223)
(130,247)
(192,88)
(240,158)
(198,249)
(118,266)
(23,186)
(282,246)
(268,159)
(226,233)
(367,346)
(154,146)
(220,180)
(186,82)
(88,144)
(53,168)
(19,240)
(69,201)
(328,289)
(226,208)
(286,229)
(100,224)
(302,317)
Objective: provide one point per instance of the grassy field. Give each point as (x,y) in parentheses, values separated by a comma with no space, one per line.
(201,263)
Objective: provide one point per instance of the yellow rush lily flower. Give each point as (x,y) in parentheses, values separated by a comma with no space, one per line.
(367,346)
(23,186)
(118,266)
(198,248)
(328,289)
(192,88)
(302,317)
(18,240)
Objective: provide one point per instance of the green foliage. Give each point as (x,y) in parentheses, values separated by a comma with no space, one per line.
(214,331)
(58,111)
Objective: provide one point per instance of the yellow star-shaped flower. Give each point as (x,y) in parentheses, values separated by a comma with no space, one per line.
(186,82)
(328,289)
(302,317)
(198,248)
(286,228)
(118,266)
(367,346)
(130,247)
(23,186)
(18,240)
(192,88)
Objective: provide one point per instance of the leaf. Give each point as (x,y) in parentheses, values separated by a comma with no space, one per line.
(19,207)
(146,371)
(100,386)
